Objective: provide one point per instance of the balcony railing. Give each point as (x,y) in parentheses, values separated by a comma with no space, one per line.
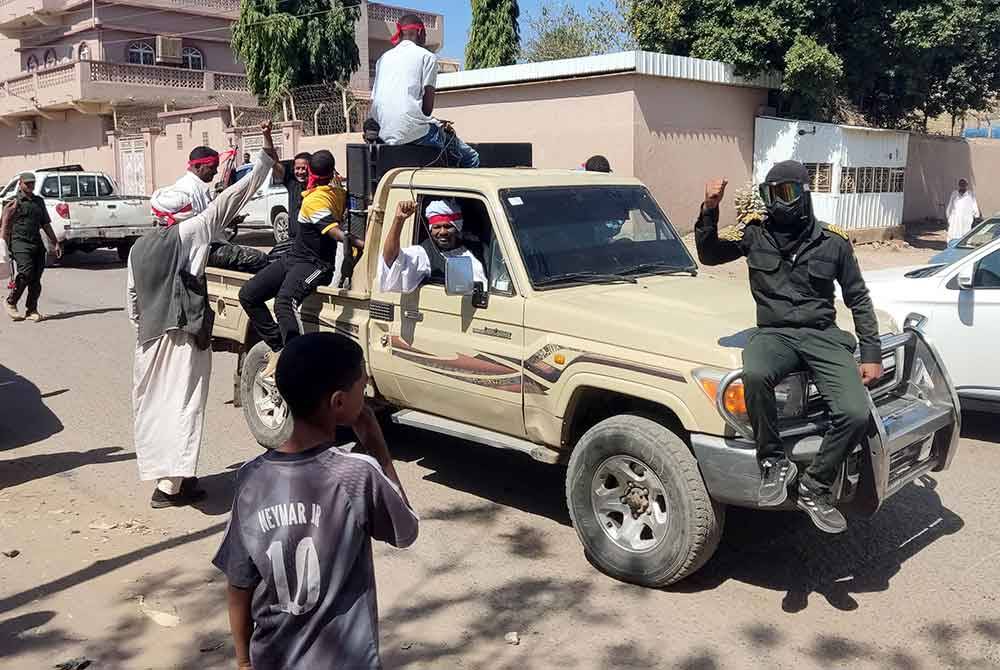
(104,82)
(394,14)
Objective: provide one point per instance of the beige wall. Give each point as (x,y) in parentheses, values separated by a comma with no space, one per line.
(78,139)
(337,144)
(170,155)
(687,133)
(934,166)
(566,121)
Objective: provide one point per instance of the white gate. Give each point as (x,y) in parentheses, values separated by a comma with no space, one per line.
(132,159)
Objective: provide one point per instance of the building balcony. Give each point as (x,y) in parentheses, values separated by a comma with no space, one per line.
(97,87)
(17,16)
(382,24)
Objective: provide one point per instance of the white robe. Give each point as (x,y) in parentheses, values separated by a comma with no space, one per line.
(412,267)
(170,374)
(962,211)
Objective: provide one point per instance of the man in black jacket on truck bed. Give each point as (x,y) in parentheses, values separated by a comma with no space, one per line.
(794,261)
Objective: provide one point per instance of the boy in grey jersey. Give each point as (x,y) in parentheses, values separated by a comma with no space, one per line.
(298,551)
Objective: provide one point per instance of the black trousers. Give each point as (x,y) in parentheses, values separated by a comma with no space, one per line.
(289,280)
(774,353)
(30,261)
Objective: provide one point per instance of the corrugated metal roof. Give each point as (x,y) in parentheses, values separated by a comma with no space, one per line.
(639,62)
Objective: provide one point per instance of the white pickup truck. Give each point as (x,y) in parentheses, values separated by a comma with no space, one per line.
(87,211)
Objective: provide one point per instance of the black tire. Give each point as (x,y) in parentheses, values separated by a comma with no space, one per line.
(279,224)
(694,520)
(257,418)
(123,248)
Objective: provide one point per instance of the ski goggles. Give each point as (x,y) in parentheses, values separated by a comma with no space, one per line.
(786,192)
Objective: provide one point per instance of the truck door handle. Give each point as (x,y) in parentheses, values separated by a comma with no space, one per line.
(112,206)
(413,314)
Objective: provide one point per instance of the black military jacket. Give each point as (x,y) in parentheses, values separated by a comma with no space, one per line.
(27,219)
(797,291)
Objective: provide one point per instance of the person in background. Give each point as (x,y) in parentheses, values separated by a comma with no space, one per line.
(246,158)
(597,163)
(403,96)
(21,225)
(403,270)
(962,211)
(308,264)
(294,181)
(297,552)
(167,303)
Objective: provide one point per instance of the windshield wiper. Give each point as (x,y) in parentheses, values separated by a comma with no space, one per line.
(584,278)
(657,268)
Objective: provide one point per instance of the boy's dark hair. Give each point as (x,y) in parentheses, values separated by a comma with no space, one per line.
(313,367)
(304,156)
(597,164)
(322,164)
(202,152)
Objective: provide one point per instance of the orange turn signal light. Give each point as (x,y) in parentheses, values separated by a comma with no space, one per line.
(734,400)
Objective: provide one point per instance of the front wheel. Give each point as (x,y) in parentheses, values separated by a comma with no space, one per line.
(638,502)
(263,407)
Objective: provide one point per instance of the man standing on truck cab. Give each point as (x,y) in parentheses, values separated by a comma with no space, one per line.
(403,270)
(403,96)
(21,225)
(794,260)
(167,302)
(307,265)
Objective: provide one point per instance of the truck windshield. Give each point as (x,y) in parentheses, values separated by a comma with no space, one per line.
(567,234)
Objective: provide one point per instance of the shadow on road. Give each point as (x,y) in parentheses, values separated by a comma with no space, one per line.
(507,478)
(83,312)
(24,417)
(929,235)
(782,551)
(16,471)
(100,259)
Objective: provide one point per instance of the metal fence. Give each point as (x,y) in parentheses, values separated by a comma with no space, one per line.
(328,109)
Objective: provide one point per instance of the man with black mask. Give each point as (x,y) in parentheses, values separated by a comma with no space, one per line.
(794,261)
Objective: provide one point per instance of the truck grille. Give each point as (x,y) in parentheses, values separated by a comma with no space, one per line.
(381,311)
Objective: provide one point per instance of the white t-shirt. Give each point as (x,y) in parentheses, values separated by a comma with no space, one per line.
(401,75)
(412,267)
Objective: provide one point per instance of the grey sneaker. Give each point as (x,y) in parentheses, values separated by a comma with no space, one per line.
(34,316)
(12,311)
(820,509)
(776,475)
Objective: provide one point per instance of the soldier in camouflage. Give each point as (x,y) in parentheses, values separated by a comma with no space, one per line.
(794,261)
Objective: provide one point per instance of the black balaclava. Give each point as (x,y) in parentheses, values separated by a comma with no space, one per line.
(789,224)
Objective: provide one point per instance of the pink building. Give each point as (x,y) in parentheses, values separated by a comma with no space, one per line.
(76,74)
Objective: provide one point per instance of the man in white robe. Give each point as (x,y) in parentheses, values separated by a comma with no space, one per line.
(171,371)
(962,212)
(402,270)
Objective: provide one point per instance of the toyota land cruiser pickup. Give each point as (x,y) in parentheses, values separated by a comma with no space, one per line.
(594,344)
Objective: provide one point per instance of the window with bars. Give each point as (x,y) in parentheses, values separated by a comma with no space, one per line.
(872,180)
(820,177)
(204,138)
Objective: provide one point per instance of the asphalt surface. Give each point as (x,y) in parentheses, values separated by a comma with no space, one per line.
(101,576)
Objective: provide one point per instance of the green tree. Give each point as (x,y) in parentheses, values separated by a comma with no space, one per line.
(494,36)
(560,31)
(290,43)
(897,63)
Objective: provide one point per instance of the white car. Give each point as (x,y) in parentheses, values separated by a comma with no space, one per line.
(957,307)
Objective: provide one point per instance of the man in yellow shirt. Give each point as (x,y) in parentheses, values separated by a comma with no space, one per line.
(307,265)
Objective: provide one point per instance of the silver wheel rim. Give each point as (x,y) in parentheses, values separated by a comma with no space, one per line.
(268,403)
(630,503)
(280,228)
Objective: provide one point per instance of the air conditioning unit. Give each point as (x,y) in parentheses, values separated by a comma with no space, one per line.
(169,50)
(27,130)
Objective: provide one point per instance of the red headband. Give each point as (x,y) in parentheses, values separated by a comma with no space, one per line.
(400,27)
(443,218)
(313,178)
(207,160)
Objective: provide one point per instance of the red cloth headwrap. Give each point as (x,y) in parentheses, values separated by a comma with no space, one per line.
(444,218)
(400,27)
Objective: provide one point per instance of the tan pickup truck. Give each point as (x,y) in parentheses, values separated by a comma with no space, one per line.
(595,345)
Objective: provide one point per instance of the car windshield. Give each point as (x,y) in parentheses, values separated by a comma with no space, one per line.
(592,234)
(984,233)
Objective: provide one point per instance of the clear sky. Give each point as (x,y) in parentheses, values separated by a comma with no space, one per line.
(458,15)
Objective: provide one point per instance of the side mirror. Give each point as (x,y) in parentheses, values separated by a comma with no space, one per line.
(965,278)
(459,279)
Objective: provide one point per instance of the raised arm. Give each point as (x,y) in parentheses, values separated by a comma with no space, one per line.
(712,250)
(390,249)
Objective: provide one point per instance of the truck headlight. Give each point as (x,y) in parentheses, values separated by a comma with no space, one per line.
(791,394)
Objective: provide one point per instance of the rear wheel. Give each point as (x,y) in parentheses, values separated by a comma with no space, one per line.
(638,502)
(123,248)
(263,407)
(280,225)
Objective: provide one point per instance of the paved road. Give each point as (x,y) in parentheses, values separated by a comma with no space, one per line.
(915,588)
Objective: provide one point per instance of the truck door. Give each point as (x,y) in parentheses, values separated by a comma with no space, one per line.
(442,355)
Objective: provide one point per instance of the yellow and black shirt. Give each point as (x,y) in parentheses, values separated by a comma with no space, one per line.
(322,209)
